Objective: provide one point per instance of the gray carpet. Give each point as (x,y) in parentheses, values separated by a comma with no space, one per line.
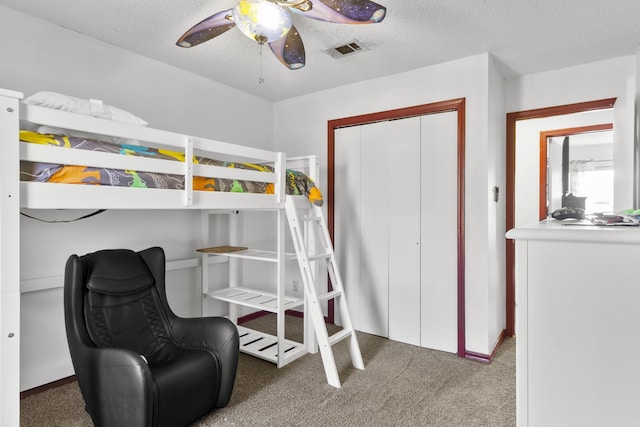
(402,385)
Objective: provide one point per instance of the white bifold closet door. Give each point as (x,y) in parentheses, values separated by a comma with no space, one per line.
(439,232)
(395,227)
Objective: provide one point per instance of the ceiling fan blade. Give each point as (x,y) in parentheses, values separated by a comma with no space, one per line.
(289,49)
(342,11)
(211,27)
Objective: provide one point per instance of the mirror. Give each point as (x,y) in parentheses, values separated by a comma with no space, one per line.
(579,170)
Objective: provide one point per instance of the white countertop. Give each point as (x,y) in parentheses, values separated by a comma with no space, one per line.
(572,231)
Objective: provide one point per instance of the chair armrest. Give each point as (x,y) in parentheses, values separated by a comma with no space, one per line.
(218,334)
(117,386)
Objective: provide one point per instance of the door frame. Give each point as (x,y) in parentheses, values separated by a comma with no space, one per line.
(512,119)
(457,105)
(544,136)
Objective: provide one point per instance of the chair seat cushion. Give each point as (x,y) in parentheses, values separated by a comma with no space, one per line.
(185,387)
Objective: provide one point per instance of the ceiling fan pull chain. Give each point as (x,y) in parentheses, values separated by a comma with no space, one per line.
(261,79)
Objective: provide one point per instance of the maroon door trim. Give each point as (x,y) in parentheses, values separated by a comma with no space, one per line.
(512,119)
(457,105)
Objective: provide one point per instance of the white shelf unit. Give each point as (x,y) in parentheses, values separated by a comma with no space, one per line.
(273,348)
(255,299)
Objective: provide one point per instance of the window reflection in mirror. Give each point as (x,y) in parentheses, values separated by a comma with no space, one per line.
(580,171)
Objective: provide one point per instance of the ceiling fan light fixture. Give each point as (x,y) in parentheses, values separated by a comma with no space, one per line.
(261,20)
(301,5)
(268,21)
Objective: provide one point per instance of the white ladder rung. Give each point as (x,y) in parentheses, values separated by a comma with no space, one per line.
(311,218)
(324,255)
(329,295)
(339,336)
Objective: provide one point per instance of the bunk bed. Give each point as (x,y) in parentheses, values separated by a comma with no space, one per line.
(195,163)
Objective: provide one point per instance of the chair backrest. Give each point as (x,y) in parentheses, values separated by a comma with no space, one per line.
(122,308)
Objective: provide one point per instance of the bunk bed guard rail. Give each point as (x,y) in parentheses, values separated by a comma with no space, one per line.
(52,196)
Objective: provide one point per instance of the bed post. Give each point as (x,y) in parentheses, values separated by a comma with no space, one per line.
(188,173)
(280,170)
(9,259)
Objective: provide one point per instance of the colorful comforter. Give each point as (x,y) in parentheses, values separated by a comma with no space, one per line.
(297,183)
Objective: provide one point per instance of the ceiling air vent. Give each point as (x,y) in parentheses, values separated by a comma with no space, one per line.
(347,49)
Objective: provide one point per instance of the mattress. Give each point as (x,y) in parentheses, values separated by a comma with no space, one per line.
(297,183)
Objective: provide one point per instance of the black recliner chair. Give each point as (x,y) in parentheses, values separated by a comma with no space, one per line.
(136,362)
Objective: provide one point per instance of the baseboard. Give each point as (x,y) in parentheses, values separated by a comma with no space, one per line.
(487,358)
(252,316)
(261,313)
(45,375)
(47,386)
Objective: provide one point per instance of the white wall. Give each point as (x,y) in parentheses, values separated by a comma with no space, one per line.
(496,290)
(300,127)
(587,82)
(39,56)
(634,93)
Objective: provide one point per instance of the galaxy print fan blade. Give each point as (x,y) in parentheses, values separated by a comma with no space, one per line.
(209,28)
(289,50)
(343,11)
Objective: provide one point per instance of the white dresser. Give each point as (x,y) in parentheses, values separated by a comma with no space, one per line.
(577,325)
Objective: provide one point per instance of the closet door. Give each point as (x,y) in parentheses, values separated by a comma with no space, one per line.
(377,227)
(362,216)
(402,203)
(396,227)
(346,205)
(374,219)
(439,231)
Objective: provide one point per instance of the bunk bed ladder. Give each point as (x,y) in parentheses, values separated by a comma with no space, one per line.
(305,253)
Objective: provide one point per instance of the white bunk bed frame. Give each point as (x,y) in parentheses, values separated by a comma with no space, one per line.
(42,196)
(35,195)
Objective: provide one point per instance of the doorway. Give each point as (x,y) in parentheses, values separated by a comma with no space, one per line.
(512,120)
(551,189)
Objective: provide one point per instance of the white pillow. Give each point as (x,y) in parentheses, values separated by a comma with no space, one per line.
(87,107)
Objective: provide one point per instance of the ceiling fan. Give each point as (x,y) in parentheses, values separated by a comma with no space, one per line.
(269,21)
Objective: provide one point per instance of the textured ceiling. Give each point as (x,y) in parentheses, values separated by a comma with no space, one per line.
(525,36)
